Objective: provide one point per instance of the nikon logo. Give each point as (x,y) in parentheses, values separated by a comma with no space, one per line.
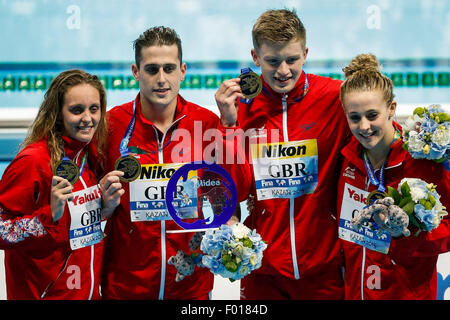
(274,151)
(157,172)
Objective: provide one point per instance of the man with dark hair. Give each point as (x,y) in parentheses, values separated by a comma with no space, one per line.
(139,245)
(157,36)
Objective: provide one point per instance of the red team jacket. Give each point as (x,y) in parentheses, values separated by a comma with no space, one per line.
(408,270)
(301,231)
(137,251)
(39,262)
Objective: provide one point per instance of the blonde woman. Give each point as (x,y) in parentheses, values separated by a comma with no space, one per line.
(373,160)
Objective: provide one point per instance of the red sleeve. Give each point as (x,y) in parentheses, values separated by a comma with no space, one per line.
(25,214)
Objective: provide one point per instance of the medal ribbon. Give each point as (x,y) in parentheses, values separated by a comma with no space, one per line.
(378,182)
(126,138)
(83,160)
(245,70)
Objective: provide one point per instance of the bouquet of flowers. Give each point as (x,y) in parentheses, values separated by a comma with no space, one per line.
(420,201)
(232,251)
(426,134)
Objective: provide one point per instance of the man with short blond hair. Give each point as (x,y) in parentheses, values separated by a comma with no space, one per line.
(301,129)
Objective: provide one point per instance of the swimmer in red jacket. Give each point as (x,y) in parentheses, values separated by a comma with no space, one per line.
(296,128)
(408,269)
(50,225)
(152,126)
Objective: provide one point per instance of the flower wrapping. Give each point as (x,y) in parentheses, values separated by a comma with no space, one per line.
(420,201)
(232,251)
(426,134)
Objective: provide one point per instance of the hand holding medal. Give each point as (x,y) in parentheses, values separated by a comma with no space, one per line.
(65,175)
(67,169)
(61,191)
(129,165)
(251,83)
(111,190)
(247,86)
(381,212)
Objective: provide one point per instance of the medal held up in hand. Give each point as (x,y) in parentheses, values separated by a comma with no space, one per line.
(67,169)
(127,163)
(130,166)
(251,83)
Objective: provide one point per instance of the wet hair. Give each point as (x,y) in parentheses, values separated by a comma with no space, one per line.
(363,74)
(49,123)
(156,36)
(278,27)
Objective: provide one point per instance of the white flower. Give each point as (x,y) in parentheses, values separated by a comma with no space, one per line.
(240,231)
(441,136)
(417,194)
(415,143)
(417,188)
(413,123)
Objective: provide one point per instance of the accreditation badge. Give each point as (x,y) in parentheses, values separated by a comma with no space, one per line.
(148,194)
(285,169)
(85,213)
(354,200)
(67,169)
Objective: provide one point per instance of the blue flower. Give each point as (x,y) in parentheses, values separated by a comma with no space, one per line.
(428,217)
(425,136)
(429,125)
(225,253)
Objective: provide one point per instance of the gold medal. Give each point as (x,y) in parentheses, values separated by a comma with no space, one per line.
(251,84)
(375,195)
(130,166)
(67,169)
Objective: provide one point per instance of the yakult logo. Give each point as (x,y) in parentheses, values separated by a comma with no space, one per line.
(77,200)
(358,197)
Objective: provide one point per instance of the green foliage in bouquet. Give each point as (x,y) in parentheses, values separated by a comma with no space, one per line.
(405,202)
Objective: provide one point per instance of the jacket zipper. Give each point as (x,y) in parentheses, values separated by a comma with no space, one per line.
(91,268)
(91,265)
(50,285)
(291,200)
(363,269)
(163,222)
(367,184)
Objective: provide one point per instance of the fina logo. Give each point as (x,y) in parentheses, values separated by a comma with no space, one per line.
(443,284)
(229,195)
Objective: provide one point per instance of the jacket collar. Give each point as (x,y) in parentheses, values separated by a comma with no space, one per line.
(353,152)
(180,110)
(295,93)
(72,146)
